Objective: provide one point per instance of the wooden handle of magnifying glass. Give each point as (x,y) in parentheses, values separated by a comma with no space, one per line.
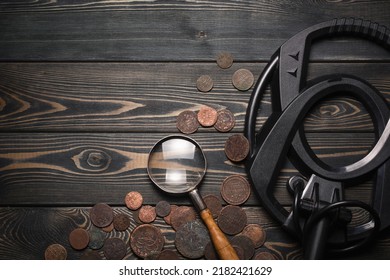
(221,243)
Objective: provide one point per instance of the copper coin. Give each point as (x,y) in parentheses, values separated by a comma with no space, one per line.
(134,200)
(191,239)
(182,215)
(243,79)
(121,222)
(55,252)
(204,83)
(239,251)
(96,238)
(214,204)
(136,217)
(79,239)
(232,219)
(101,215)
(209,252)
(147,214)
(246,244)
(168,255)
(163,208)
(235,190)
(207,116)
(146,239)
(114,249)
(224,60)
(187,122)
(90,255)
(167,219)
(225,121)
(237,148)
(108,228)
(264,256)
(256,233)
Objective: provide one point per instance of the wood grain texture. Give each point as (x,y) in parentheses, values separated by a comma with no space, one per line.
(147,97)
(174,31)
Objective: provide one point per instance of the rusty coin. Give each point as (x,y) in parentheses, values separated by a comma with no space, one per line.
(264,256)
(146,239)
(224,60)
(237,148)
(256,233)
(207,116)
(191,239)
(147,214)
(246,244)
(167,219)
(232,219)
(243,79)
(101,215)
(108,228)
(209,252)
(182,215)
(55,252)
(168,255)
(79,239)
(187,122)
(214,204)
(114,248)
(239,251)
(121,222)
(96,238)
(225,121)
(134,200)
(235,190)
(204,83)
(163,208)
(90,255)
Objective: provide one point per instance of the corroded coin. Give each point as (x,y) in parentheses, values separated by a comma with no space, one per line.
(232,219)
(79,239)
(214,204)
(90,255)
(167,219)
(209,252)
(101,215)
(204,83)
(146,239)
(224,60)
(108,228)
(114,248)
(239,251)
(55,252)
(96,238)
(225,121)
(121,222)
(187,122)
(243,79)
(163,208)
(182,215)
(147,214)
(235,190)
(256,233)
(191,239)
(264,256)
(133,200)
(207,116)
(168,255)
(246,244)
(237,148)
(136,217)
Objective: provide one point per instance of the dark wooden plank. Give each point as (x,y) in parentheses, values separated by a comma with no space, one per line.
(53,169)
(147,97)
(174,31)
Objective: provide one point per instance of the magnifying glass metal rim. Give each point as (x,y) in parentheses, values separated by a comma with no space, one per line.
(187,138)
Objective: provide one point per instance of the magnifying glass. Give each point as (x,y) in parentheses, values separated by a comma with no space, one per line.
(177,165)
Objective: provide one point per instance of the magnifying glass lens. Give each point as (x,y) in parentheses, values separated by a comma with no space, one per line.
(176,165)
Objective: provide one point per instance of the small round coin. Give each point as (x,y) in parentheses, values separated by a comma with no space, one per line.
(232,219)
(146,239)
(214,204)
(101,215)
(134,200)
(256,233)
(243,79)
(114,248)
(207,116)
(204,83)
(264,256)
(225,121)
(235,190)
(237,148)
(55,252)
(167,219)
(224,60)
(96,238)
(182,215)
(163,208)
(191,239)
(79,239)
(121,222)
(147,214)
(246,244)
(187,122)
(108,228)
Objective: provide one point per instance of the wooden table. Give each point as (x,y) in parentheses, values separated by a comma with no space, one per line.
(106,80)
